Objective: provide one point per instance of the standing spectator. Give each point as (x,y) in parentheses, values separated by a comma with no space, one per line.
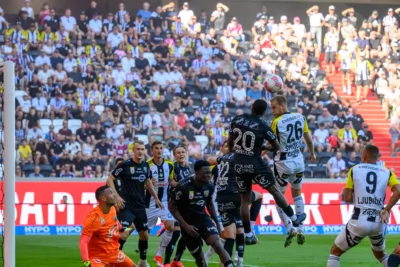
(316,22)
(145,14)
(186,14)
(395,131)
(345,58)
(332,19)
(363,71)
(264,12)
(336,166)
(375,21)
(218,16)
(349,14)
(331,43)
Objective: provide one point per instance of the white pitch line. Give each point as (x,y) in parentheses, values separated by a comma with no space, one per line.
(246,265)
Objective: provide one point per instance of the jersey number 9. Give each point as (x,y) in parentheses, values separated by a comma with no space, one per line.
(371,181)
(295,132)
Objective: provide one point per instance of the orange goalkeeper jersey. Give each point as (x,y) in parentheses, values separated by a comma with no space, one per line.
(104,232)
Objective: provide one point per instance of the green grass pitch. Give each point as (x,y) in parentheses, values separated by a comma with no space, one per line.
(62,251)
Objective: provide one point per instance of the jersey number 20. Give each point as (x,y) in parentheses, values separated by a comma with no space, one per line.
(244,136)
(295,132)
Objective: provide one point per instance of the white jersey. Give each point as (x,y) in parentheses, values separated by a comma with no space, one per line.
(369,183)
(289,129)
(162,173)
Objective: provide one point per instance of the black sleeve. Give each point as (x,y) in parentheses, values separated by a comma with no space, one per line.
(269,134)
(149,173)
(177,193)
(117,173)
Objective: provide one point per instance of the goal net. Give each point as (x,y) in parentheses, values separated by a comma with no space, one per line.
(7,164)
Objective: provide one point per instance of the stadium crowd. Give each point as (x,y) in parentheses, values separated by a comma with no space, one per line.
(89,84)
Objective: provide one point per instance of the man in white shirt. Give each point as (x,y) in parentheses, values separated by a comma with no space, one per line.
(336,166)
(25,104)
(320,135)
(28,9)
(39,103)
(186,14)
(115,37)
(317,20)
(57,107)
(239,96)
(225,91)
(118,75)
(206,51)
(34,133)
(113,133)
(96,27)
(162,78)
(176,76)
(213,64)
(128,62)
(42,59)
(45,73)
(150,117)
(70,62)
(69,22)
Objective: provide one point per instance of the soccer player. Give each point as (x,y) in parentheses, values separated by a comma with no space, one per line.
(117,182)
(228,203)
(162,171)
(290,128)
(181,171)
(134,175)
(246,139)
(101,231)
(188,204)
(366,187)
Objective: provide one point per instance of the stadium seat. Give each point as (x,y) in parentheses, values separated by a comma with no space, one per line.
(45,125)
(308,173)
(28,169)
(143,137)
(150,57)
(57,123)
(319,172)
(203,140)
(46,170)
(74,125)
(19,95)
(99,109)
(144,109)
(324,157)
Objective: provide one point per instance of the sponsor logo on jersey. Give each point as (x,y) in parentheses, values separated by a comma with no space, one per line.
(132,170)
(206,193)
(191,194)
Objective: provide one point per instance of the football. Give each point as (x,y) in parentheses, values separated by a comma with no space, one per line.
(273,83)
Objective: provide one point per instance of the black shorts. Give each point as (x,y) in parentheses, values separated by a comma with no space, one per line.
(253,197)
(229,209)
(330,57)
(363,82)
(206,227)
(252,169)
(137,217)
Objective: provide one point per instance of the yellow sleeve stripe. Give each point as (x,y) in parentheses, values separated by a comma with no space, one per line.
(306,130)
(274,124)
(392,180)
(349,182)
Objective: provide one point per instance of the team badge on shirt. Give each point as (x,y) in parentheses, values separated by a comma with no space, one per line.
(191,194)
(206,193)
(132,170)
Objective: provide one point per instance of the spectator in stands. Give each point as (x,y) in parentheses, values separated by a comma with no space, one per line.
(352,160)
(356,120)
(66,172)
(320,137)
(325,118)
(395,132)
(336,166)
(316,22)
(25,153)
(348,138)
(36,173)
(218,16)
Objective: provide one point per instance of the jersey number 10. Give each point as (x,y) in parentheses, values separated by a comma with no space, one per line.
(295,132)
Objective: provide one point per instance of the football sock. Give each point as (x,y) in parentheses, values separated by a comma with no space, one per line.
(180,249)
(333,261)
(290,213)
(171,246)
(229,243)
(165,239)
(240,245)
(384,260)
(143,246)
(299,208)
(394,260)
(252,223)
(121,243)
(229,263)
(255,209)
(209,253)
(285,219)
(247,227)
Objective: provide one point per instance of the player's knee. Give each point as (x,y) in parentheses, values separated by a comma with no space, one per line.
(144,235)
(239,231)
(336,251)
(169,225)
(229,233)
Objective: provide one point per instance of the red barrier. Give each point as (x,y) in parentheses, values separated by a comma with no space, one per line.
(38,203)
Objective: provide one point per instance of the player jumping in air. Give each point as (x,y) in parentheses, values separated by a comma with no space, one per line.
(134,175)
(246,137)
(101,231)
(188,204)
(162,171)
(228,203)
(366,187)
(290,128)
(181,171)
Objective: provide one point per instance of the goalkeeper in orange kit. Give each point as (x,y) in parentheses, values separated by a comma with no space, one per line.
(100,234)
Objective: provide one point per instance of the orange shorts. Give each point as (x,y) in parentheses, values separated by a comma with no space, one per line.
(116,260)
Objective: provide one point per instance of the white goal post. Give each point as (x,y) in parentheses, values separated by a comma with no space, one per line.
(8,69)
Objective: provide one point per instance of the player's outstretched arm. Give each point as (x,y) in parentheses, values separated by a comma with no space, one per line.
(119,202)
(310,146)
(83,247)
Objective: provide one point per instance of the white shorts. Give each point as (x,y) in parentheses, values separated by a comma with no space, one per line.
(153,214)
(356,230)
(289,171)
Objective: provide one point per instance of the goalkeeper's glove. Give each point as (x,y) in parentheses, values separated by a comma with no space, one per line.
(87,264)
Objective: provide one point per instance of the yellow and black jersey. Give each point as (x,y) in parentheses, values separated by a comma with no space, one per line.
(162,174)
(289,129)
